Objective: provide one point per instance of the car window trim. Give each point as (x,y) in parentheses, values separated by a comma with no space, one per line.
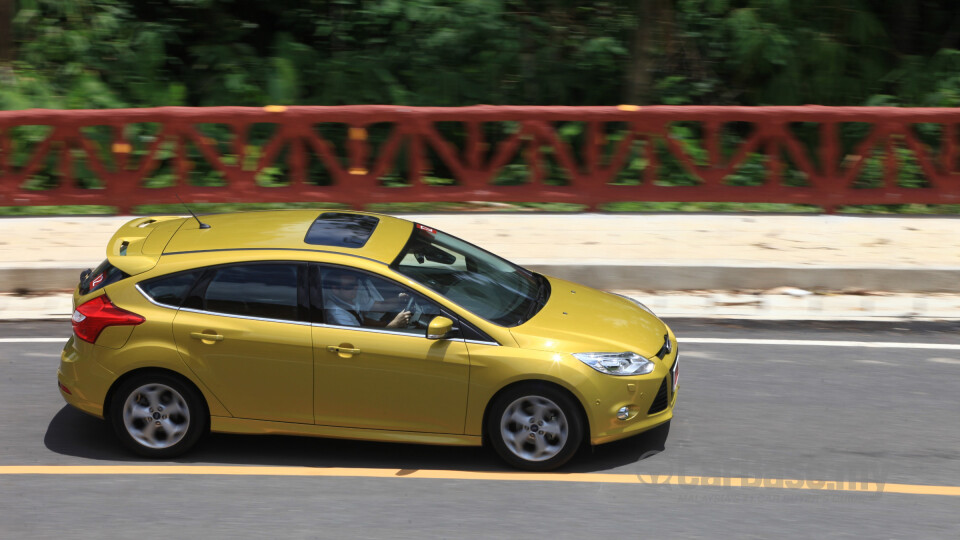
(304,310)
(314,294)
(199,289)
(278,249)
(398,333)
(478,342)
(200,274)
(480,333)
(245,317)
(154,302)
(421,335)
(307,291)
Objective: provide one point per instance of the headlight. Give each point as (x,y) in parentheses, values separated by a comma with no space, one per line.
(625,363)
(638,303)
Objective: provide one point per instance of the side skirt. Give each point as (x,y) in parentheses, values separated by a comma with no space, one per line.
(222,424)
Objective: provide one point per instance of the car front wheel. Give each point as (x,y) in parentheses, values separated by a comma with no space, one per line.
(535,427)
(158,415)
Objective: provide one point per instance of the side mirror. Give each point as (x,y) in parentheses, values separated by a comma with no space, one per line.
(439,327)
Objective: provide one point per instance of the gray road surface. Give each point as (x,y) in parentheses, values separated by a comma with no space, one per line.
(888,415)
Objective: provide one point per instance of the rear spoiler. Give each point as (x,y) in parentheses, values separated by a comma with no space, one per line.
(137,245)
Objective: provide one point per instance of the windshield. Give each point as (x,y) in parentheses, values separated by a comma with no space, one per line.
(486,285)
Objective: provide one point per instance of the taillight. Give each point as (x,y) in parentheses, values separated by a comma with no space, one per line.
(92,317)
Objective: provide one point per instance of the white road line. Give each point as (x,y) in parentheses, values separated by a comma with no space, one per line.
(35,340)
(813,343)
(687,340)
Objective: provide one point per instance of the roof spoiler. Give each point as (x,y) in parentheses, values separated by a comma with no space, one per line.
(137,245)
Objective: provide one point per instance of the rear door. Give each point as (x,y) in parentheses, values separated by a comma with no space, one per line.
(244,332)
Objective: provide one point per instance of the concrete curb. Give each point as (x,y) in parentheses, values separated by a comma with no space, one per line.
(638,252)
(633,276)
(672,305)
(39,279)
(717,277)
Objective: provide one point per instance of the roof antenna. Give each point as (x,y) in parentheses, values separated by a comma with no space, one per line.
(202,224)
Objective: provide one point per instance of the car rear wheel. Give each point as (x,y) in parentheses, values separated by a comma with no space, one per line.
(158,415)
(535,427)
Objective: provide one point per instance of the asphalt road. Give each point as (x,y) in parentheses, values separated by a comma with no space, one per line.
(766,412)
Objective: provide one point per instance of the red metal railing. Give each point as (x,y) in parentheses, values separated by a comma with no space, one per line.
(588,155)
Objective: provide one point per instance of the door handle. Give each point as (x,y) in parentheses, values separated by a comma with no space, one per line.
(206,337)
(342,350)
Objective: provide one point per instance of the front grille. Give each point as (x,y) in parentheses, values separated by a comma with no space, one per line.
(660,402)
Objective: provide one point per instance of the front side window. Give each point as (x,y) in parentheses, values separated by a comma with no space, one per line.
(482,283)
(353,298)
(267,291)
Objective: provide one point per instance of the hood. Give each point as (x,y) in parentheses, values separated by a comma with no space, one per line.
(578,318)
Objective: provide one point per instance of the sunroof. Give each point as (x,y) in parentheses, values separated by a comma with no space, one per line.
(341,230)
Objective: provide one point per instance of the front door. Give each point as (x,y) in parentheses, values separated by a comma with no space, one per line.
(374,367)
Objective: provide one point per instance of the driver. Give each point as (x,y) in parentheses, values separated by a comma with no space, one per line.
(341,307)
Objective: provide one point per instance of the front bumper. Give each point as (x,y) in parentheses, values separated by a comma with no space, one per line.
(634,426)
(650,401)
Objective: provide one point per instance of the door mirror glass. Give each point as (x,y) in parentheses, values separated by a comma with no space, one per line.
(439,327)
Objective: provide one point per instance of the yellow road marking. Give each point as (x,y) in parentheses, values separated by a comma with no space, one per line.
(596,478)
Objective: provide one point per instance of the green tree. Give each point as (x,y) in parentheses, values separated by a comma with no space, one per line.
(108,53)
(7,50)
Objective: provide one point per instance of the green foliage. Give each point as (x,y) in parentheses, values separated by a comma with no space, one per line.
(112,53)
(115,53)
(84,54)
(643,206)
(909,173)
(212,208)
(73,210)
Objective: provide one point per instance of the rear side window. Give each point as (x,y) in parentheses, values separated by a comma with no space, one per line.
(170,290)
(266,291)
(103,275)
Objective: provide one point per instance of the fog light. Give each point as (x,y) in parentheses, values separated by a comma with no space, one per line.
(623,413)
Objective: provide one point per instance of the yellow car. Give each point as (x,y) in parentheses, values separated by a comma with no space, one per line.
(355,325)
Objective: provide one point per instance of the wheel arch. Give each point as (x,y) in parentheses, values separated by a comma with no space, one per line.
(581,411)
(108,399)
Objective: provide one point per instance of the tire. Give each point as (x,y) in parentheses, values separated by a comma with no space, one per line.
(535,426)
(158,415)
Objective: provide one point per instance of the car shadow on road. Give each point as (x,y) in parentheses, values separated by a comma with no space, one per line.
(73,433)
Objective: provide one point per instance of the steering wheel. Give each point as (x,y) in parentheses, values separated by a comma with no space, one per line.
(412,306)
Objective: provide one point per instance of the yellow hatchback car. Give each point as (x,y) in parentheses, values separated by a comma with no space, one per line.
(355,325)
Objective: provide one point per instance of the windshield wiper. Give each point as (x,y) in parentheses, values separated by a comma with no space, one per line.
(540,300)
